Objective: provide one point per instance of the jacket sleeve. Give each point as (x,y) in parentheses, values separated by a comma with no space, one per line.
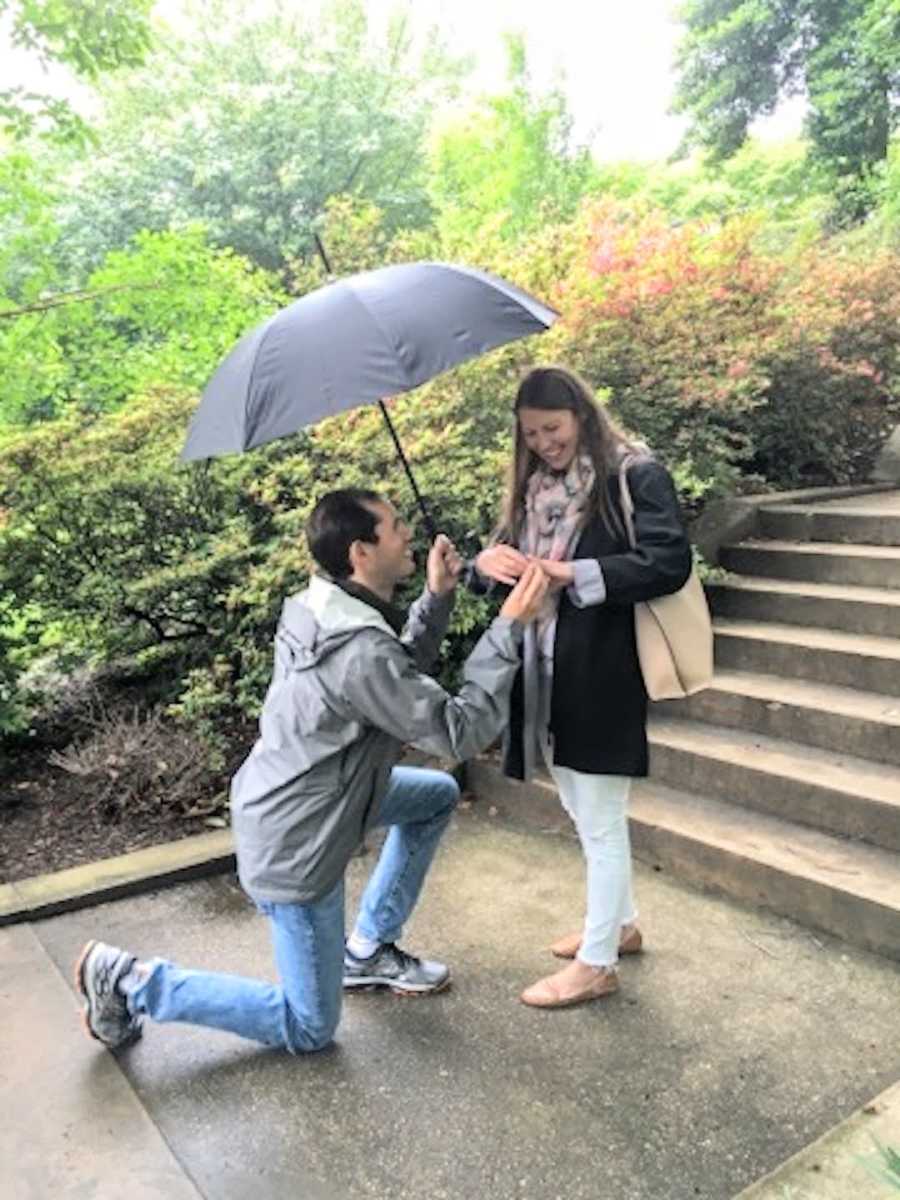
(383,688)
(661,562)
(426,625)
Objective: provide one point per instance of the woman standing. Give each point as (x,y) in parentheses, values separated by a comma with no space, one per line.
(579,700)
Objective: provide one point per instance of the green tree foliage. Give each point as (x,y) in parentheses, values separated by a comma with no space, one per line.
(28,229)
(91,37)
(163,312)
(257,119)
(509,163)
(774,182)
(740,57)
(129,553)
(29,355)
(887,216)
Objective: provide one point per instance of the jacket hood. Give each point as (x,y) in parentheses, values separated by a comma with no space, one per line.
(317,621)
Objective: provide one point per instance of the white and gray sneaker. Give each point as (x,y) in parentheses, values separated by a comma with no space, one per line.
(98,970)
(393,968)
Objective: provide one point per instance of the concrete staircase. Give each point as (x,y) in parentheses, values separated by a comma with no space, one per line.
(780,784)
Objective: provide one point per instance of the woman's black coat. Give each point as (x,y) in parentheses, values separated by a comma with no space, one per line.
(598,709)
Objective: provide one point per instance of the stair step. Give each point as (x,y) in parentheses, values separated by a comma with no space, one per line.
(880,498)
(800,651)
(818,562)
(845,720)
(844,607)
(872,524)
(840,794)
(843,887)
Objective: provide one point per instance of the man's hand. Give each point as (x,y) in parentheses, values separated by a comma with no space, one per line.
(503,563)
(444,566)
(560,574)
(525,600)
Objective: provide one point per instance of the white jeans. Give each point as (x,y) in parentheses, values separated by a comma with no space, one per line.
(598,804)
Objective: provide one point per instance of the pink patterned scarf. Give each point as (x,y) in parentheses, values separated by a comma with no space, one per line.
(555,504)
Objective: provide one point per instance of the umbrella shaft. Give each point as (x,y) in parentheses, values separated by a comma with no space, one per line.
(426,516)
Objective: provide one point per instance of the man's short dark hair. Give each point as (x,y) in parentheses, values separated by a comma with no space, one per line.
(338,520)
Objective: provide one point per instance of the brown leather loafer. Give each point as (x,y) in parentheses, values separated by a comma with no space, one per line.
(574,984)
(631,942)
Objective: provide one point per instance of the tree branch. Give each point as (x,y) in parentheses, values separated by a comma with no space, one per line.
(77,297)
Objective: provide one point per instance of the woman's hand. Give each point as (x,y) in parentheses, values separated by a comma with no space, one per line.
(560,574)
(504,563)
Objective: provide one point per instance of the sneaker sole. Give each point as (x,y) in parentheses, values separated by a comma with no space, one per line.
(398,989)
(82,990)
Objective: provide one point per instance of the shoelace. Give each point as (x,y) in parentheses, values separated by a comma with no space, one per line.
(103,981)
(403,960)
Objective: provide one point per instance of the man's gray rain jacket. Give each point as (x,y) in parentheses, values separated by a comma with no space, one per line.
(346,694)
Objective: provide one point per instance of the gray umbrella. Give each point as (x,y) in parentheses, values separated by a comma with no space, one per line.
(356,341)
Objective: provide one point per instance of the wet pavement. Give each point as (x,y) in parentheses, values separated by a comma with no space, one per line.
(736,1039)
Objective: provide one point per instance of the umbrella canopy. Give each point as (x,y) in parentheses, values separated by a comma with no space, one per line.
(356,341)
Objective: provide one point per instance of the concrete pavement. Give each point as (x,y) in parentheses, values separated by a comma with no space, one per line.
(71,1124)
(737,1039)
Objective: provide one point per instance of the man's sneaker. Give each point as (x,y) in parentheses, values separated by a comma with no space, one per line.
(392,967)
(97,973)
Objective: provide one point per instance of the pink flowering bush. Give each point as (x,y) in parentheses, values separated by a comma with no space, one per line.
(741,368)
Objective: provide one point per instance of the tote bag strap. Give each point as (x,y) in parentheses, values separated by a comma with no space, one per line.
(626,501)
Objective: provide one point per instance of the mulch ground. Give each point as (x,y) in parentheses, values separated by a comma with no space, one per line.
(51,819)
(48,821)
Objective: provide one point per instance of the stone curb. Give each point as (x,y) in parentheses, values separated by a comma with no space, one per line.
(831,1168)
(111,878)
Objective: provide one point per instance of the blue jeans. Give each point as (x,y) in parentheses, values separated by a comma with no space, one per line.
(302,1012)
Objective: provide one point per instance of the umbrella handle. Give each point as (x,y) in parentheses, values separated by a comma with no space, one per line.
(426,515)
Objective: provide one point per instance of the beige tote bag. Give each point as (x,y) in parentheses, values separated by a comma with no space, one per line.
(674,633)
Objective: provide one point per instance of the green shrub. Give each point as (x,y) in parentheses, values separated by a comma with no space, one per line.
(834,374)
(113,544)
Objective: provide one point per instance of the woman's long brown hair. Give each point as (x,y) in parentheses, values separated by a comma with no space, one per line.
(558,388)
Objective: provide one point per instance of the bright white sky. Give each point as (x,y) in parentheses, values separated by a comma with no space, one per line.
(614,59)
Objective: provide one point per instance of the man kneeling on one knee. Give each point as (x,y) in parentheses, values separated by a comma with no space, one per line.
(348,691)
